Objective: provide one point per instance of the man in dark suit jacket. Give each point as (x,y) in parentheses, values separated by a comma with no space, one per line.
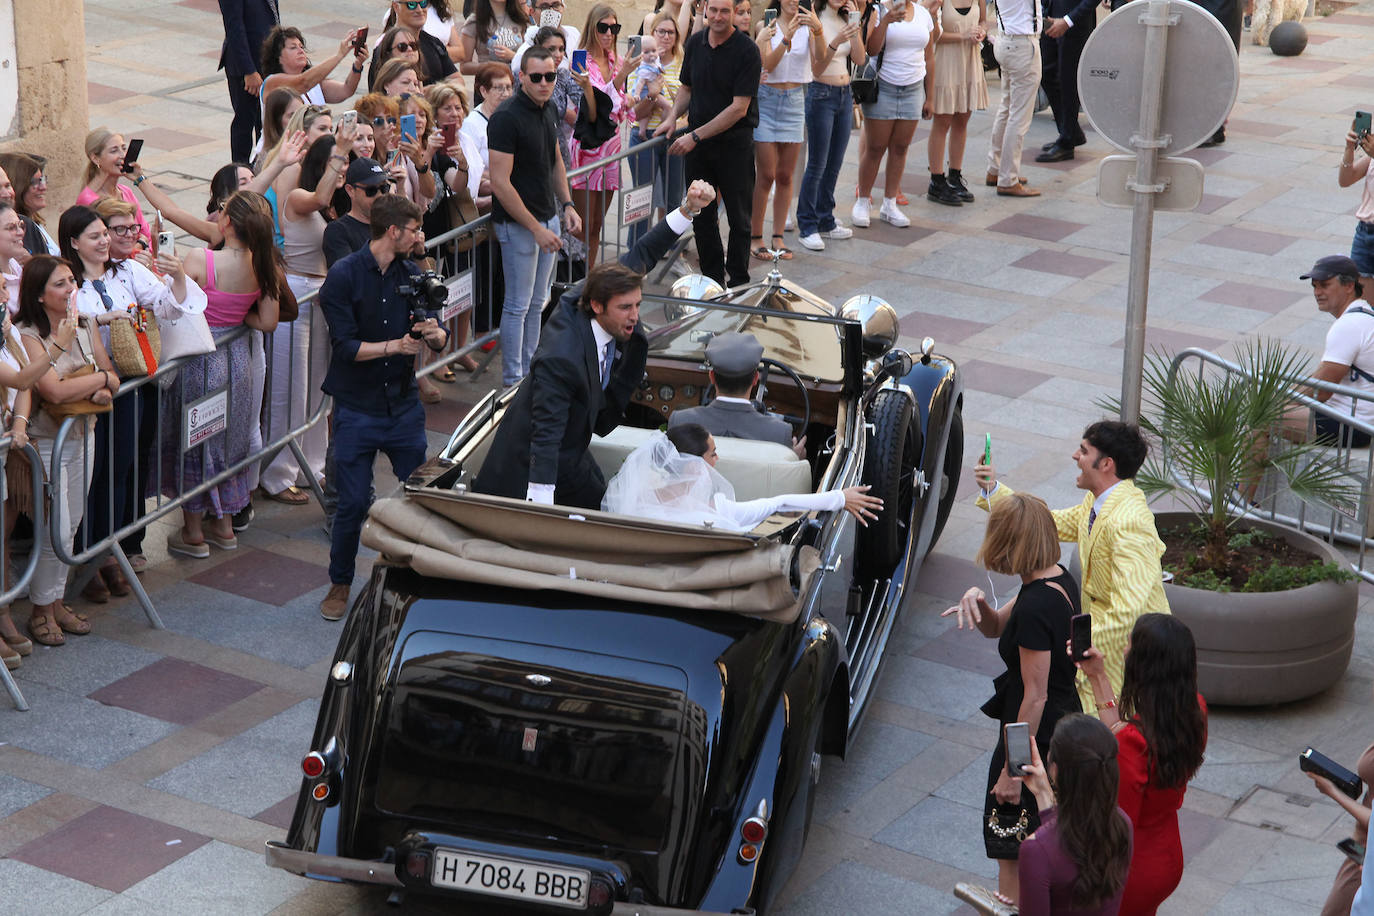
(589,363)
(734,359)
(1068,24)
(246,24)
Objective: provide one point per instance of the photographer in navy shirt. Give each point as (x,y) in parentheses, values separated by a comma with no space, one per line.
(368,300)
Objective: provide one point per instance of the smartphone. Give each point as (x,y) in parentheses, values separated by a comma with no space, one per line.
(450,132)
(360,43)
(804,5)
(635,43)
(408,127)
(1018,747)
(769,17)
(1352,849)
(1080,636)
(1313,761)
(579,60)
(847,15)
(550,19)
(1363,123)
(131,155)
(167,242)
(347,118)
(391,158)
(987,448)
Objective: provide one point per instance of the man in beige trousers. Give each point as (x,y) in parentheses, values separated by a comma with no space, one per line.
(1018,54)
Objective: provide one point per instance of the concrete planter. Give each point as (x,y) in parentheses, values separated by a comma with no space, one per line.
(1272,647)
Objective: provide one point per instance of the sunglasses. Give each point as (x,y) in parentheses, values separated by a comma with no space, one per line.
(373,191)
(380,121)
(550,77)
(612,27)
(402,47)
(413,5)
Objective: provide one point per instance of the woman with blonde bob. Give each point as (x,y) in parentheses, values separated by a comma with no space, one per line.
(105,151)
(1038,686)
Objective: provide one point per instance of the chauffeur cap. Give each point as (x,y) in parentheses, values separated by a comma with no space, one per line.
(734,354)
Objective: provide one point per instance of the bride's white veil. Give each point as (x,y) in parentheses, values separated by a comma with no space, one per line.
(658,481)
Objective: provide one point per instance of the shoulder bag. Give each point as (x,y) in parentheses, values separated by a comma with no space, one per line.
(188,335)
(60,412)
(864,84)
(135,345)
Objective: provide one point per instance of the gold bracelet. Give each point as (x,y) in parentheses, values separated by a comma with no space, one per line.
(1109,704)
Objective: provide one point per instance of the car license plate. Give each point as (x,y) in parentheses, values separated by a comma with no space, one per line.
(510,878)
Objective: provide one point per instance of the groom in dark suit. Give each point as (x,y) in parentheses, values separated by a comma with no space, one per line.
(246,24)
(1068,26)
(590,360)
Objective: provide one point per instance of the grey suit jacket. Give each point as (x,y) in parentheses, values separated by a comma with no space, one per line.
(739,421)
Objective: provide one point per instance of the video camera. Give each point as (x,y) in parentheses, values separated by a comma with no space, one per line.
(426,295)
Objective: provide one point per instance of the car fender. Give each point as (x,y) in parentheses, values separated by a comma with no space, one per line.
(783,778)
(938,391)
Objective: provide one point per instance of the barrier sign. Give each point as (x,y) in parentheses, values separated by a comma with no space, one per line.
(459,295)
(205,417)
(636,204)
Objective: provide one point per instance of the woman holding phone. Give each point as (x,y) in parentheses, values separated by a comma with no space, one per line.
(1038,686)
(105,152)
(286,64)
(1160,721)
(1359,141)
(829,120)
(1077,860)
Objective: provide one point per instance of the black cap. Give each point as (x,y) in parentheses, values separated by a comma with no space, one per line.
(1333,265)
(365,173)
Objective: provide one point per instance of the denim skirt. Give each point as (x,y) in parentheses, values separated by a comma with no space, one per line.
(896,103)
(1362,248)
(782,115)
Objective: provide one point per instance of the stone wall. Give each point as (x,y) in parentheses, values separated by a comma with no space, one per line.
(53,111)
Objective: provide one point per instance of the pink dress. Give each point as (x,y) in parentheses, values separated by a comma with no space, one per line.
(126,194)
(606,178)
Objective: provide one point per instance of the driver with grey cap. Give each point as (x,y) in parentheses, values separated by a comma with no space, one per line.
(734,360)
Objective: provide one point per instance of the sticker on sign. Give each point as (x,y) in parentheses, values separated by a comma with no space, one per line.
(205,417)
(459,295)
(636,204)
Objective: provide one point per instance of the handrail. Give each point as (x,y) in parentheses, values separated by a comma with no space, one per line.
(21,585)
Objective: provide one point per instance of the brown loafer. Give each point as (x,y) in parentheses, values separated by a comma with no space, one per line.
(991,180)
(115,581)
(335,603)
(9,657)
(96,592)
(1017,190)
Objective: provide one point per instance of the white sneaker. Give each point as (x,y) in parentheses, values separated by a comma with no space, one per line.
(840,231)
(889,213)
(859,216)
(812,241)
(788,225)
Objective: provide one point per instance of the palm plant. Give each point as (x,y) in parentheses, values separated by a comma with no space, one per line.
(1215,433)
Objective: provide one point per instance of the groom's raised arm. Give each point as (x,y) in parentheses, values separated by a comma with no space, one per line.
(659,240)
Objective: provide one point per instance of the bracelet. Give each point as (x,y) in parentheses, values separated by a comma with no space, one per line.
(567,204)
(1345,164)
(422,169)
(18,417)
(357,70)
(106,376)
(52,363)
(1110,704)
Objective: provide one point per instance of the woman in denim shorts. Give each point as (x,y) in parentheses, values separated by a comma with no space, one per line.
(904,33)
(829,119)
(787,47)
(1351,171)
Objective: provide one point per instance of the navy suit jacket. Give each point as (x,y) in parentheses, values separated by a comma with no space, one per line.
(1082,12)
(545,433)
(246,24)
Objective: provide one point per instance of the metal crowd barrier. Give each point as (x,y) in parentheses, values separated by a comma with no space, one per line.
(1350,525)
(14,590)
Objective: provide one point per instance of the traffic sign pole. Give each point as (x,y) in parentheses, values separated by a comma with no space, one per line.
(1147,143)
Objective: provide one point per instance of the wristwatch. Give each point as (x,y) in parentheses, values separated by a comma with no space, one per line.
(687,209)
(695,138)
(567,204)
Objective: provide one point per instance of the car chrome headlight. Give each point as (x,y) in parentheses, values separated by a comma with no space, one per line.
(692,286)
(878,319)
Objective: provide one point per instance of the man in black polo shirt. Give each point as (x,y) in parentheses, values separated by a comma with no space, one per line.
(720,83)
(529,188)
(372,376)
(363,181)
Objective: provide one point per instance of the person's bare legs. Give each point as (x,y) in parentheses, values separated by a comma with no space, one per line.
(595,217)
(765,171)
(1008,881)
(878,134)
(958,137)
(898,144)
(935,145)
(787,155)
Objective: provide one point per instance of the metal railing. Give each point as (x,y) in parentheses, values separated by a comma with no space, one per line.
(16,589)
(1334,522)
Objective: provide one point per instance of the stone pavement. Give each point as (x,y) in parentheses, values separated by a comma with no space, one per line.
(155,764)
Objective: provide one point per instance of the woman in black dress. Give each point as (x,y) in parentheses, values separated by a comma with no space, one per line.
(1038,685)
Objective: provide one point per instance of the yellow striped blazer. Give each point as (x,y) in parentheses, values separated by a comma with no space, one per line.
(1120,568)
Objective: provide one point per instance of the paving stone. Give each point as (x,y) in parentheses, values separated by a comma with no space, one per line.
(220,879)
(178,691)
(31,891)
(78,730)
(16,793)
(854,888)
(84,665)
(944,831)
(264,576)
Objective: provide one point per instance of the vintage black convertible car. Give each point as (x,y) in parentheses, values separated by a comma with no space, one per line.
(564,710)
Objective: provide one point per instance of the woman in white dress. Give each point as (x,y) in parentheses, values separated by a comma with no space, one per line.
(673,477)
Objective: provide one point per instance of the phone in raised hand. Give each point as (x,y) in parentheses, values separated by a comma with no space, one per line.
(360,41)
(579,60)
(408,127)
(1018,747)
(987,448)
(131,155)
(769,17)
(1080,636)
(167,243)
(1363,123)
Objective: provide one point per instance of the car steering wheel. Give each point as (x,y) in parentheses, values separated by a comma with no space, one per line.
(765,364)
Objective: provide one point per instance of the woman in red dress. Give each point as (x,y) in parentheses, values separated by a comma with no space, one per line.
(1161,732)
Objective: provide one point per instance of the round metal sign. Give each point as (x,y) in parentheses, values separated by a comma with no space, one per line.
(1201,76)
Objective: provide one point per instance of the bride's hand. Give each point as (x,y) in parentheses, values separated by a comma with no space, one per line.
(859,504)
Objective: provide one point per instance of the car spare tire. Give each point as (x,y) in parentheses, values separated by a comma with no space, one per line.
(889,468)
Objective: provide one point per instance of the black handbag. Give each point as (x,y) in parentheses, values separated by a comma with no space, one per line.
(864,85)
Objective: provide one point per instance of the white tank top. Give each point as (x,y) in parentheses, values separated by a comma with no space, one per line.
(795,66)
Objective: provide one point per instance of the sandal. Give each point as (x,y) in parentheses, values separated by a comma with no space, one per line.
(114,580)
(430,396)
(74,623)
(901,198)
(45,631)
(10,657)
(292,496)
(786,253)
(761,252)
(468,363)
(445,375)
(10,635)
(95,590)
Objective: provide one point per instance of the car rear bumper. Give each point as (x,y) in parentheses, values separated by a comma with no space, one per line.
(361,871)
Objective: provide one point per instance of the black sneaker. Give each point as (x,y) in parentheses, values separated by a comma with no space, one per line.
(243,518)
(956,184)
(943,194)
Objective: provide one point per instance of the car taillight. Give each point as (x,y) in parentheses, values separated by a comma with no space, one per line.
(417,864)
(599,895)
(320,792)
(313,764)
(748,853)
(754,830)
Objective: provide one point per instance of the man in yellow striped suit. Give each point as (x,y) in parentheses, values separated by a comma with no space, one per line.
(1119,548)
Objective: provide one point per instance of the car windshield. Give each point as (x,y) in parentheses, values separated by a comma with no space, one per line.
(793,327)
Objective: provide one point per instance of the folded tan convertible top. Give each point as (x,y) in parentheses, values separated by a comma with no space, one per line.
(511,543)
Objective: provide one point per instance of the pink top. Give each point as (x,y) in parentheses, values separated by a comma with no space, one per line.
(1366,212)
(126,194)
(224,310)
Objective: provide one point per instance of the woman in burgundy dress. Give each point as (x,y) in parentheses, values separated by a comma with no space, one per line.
(1161,728)
(1075,863)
